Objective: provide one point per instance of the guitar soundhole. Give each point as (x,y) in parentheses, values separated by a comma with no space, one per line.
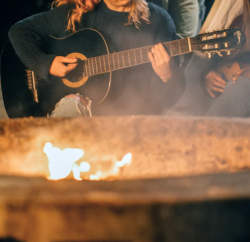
(77,74)
(76,77)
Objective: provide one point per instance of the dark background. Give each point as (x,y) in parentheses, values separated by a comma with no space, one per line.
(12,11)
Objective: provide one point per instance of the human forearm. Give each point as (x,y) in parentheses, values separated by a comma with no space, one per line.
(30,54)
(29,36)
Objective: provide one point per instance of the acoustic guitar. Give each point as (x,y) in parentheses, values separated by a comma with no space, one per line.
(25,94)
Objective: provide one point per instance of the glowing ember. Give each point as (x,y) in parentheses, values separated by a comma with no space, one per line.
(62,162)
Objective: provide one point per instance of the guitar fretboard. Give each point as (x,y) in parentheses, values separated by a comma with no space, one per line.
(115,61)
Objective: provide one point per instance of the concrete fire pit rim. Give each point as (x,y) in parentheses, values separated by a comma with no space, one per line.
(170,190)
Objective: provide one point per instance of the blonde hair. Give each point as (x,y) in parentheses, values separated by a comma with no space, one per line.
(139,12)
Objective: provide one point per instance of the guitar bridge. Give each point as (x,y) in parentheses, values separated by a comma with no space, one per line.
(32,80)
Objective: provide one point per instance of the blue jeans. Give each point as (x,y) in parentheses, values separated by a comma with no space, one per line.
(234,101)
(71,107)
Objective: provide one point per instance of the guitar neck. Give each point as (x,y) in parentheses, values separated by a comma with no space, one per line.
(115,61)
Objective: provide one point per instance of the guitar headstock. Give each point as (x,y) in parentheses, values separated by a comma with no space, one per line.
(218,41)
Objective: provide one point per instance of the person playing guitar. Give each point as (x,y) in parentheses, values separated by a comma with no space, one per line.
(123,24)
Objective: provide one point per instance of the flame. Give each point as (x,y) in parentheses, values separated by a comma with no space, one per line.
(114,171)
(96,177)
(62,162)
(76,172)
(126,160)
(85,167)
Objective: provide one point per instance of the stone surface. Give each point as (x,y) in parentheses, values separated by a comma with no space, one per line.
(210,208)
(161,146)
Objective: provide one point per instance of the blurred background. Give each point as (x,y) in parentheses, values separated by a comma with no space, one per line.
(12,11)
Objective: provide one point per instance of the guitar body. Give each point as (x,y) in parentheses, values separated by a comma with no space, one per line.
(18,99)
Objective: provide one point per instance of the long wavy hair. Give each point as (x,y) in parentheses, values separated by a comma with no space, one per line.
(139,12)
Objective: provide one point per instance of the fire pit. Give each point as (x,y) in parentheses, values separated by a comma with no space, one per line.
(160,146)
(158,197)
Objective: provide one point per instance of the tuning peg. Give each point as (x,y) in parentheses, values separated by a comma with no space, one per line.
(209,55)
(226,28)
(204,38)
(215,30)
(219,53)
(229,52)
(226,45)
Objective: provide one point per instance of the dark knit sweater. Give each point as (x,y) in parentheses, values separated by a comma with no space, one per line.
(137,90)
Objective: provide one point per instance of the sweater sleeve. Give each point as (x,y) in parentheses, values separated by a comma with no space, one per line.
(167,94)
(29,35)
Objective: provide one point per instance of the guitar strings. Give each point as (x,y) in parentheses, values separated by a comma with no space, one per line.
(116,59)
(102,64)
(105,67)
(102,60)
